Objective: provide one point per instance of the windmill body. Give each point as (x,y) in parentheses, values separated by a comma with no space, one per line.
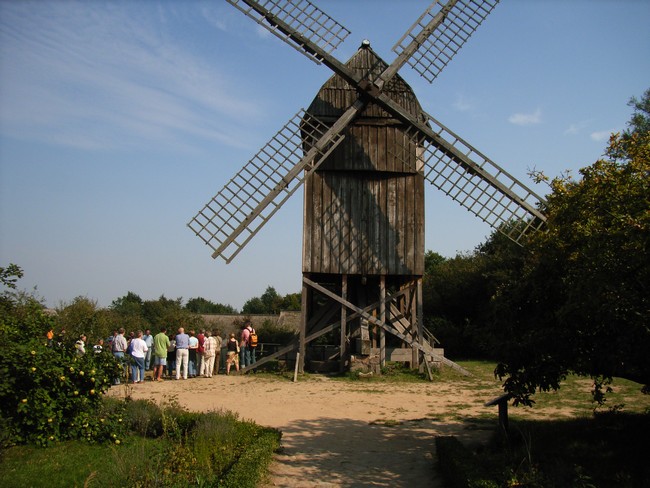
(363,209)
(364,205)
(363,150)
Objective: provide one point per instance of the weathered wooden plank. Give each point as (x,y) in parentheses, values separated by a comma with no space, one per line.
(308,224)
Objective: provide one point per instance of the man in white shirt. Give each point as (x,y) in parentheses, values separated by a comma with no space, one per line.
(138,352)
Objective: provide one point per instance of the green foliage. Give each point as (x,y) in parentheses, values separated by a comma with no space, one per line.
(638,126)
(274,333)
(272,303)
(47,394)
(133,313)
(180,449)
(10,274)
(202,306)
(581,303)
(459,295)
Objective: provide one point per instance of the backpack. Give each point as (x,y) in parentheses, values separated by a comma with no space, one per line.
(252,339)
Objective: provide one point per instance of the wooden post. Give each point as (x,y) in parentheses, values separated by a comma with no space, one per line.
(502,402)
(382,318)
(417,333)
(419,320)
(295,370)
(344,329)
(300,358)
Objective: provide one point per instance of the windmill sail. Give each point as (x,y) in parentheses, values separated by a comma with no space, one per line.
(439,34)
(295,22)
(234,215)
(476,182)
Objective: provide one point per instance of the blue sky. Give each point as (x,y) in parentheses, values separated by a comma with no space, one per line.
(119,120)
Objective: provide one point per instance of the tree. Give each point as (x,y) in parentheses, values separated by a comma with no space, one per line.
(254,306)
(47,392)
(292,301)
(10,274)
(271,303)
(582,302)
(640,121)
(81,317)
(202,306)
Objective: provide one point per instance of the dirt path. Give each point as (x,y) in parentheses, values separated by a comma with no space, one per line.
(337,433)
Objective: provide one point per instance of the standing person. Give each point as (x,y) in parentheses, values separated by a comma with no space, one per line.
(216,334)
(247,348)
(171,356)
(252,341)
(182,353)
(138,353)
(161,344)
(199,351)
(209,348)
(233,353)
(118,347)
(148,340)
(193,356)
(244,353)
(80,345)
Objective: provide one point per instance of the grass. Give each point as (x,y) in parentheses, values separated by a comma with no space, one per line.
(73,463)
(167,446)
(608,449)
(564,440)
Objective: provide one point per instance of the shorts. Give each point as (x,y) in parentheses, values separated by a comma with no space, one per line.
(233,357)
(158,361)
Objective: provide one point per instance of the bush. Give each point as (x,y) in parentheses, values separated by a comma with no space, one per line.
(274,333)
(48,393)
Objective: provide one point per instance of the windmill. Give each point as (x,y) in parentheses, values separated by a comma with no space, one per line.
(363,151)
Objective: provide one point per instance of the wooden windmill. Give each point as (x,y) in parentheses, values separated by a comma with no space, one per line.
(363,150)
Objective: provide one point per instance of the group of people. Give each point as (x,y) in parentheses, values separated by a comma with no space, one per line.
(182,355)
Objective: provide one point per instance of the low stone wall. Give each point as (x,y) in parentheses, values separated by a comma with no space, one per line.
(226,322)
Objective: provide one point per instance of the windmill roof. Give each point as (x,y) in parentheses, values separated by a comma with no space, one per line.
(336,94)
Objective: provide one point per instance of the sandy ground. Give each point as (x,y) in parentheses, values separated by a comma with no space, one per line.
(337,433)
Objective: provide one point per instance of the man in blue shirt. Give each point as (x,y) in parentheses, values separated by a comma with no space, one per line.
(119,346)
(182,353)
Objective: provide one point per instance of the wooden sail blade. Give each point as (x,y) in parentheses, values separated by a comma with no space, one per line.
(435,38)
(296,22)
(476,182)
(240,209)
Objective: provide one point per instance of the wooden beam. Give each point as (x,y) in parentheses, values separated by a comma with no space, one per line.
(382,317)
(388,328)
(344,332)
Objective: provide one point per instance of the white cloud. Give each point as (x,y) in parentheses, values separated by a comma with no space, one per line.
(601,136)
(576,128)
(526,119)
(89,76)
(462,104)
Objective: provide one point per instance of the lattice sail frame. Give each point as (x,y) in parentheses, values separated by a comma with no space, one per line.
(234,215)
(460,19)
(303,17)
(484,188)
